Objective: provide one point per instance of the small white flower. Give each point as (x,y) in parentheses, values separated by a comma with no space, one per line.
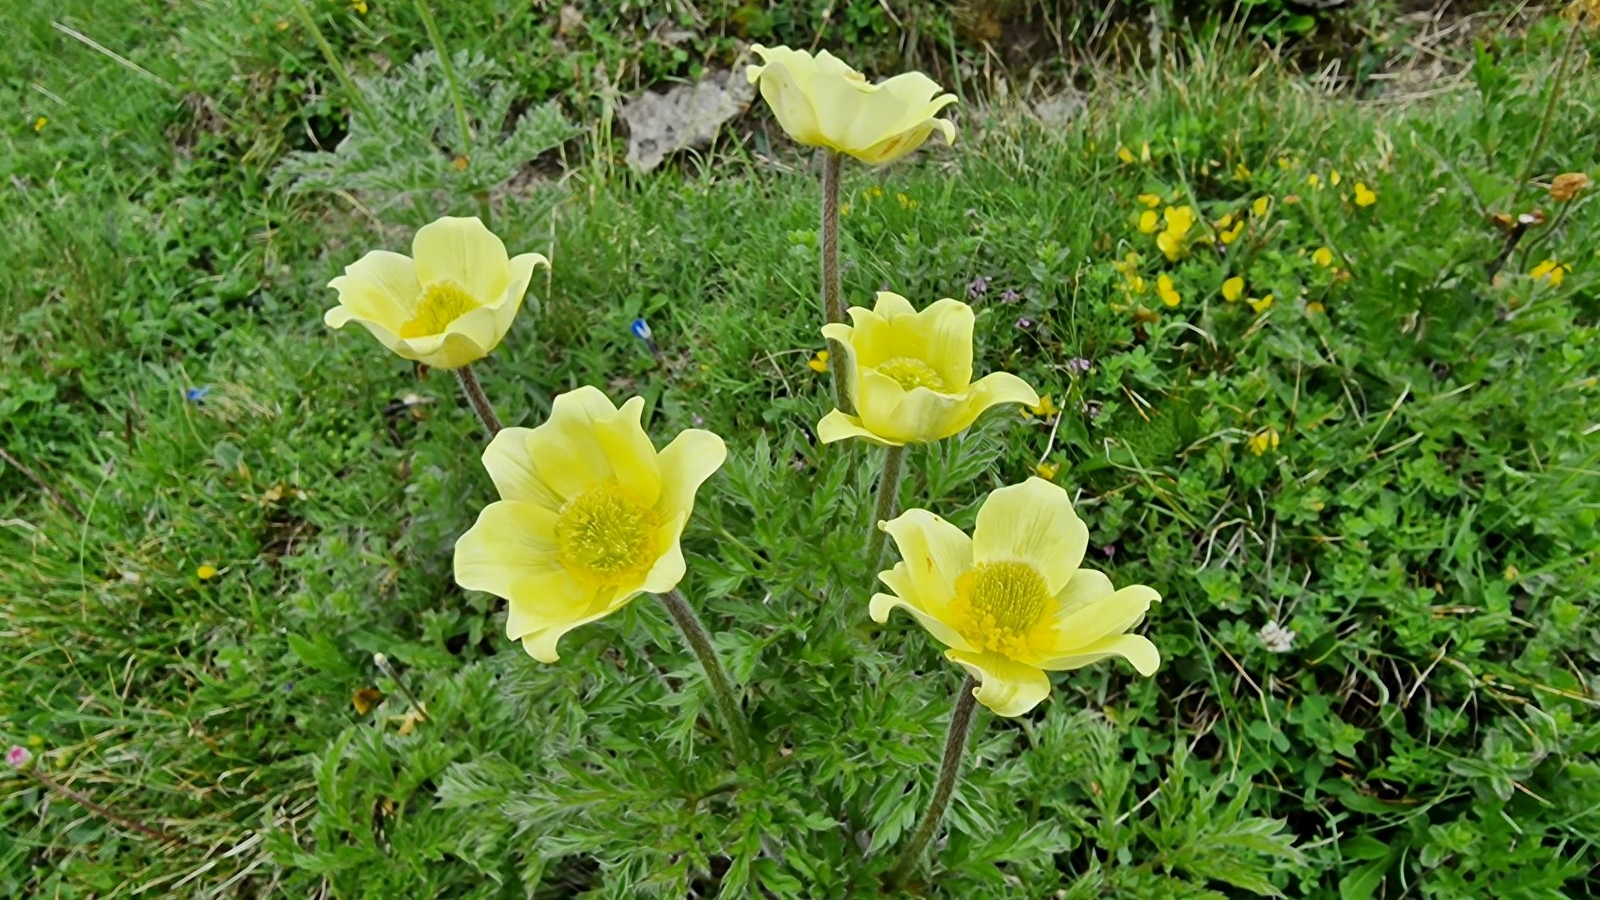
(1277,638)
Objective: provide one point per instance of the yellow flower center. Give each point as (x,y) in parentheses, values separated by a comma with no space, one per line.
(442,303)
(605,536)
(910,372)
(998,607)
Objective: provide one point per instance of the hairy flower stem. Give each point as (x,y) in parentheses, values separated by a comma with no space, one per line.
(62,790)
(894,467)
(949,770)
(478,399)
(694,631)
(832,307)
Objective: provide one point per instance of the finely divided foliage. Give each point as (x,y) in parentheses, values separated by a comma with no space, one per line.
(1342,429)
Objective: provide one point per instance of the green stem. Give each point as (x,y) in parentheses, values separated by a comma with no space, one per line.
(694,631)
(1549,107)
(894,466)
(454,86)
(478,399)
(357,99)
(832,307)
(949,770)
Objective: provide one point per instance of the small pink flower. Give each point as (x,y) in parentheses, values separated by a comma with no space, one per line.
(18,756)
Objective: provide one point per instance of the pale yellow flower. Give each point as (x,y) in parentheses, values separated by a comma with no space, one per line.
(911,374)
(589,516)
(821,102)
(1011,602)
(449,306)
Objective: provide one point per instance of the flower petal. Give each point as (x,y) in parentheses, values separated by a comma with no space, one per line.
(505,309)
(1008,688)
(685,464)
(1000,387)
(1135,648)
(669,566)
(380,286)
(510,552)
(587,441)
(883,604)
(1085,587)
(782,84)
(466,252)
(1105,617)
(1033,523)
(450,350)
(541,643)
(509,462)
(941,336)
(934,553)
(836,426)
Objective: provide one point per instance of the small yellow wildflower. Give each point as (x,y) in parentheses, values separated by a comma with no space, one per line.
(1167,293)
(1144,152)
(1174,241)
(40,123)
(1333,178)
(873,192)
(1232,289)
(1260,304)
(906,202)
(1314,180)
(1365,196)
(1126,155)
(1551,271)
(1563,187)
(1012,601)
(360,6)
(1241,172)
(1136,282)
(1232,234)
(1150,200)
(1044,409)
(1261,206)
(1323,257)
(206,572)
(1314,308)
(1149,222)
(1283,163)
(1047,470)
(1264,440)
(818,363)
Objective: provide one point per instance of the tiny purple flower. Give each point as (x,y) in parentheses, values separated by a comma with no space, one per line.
(698,420)
(977,287)
(1024,323)
(1011,295)
(18,756)
(1078,364)
(1109,550)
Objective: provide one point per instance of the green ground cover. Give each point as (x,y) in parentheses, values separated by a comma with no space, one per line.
(1394,458)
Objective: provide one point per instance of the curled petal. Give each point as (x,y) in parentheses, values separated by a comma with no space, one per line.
(1008,688)
(1135,648)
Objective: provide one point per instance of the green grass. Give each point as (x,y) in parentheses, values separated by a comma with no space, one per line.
(1426,524)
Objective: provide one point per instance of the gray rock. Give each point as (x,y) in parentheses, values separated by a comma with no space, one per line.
(685,116)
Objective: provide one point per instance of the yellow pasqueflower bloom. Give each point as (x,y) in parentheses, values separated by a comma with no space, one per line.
(911,374)
(1011,602)
(821,102)
(1551,271)
(1232,289)
(589,516)
(1165,290)
(447,307)
(1365,196)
